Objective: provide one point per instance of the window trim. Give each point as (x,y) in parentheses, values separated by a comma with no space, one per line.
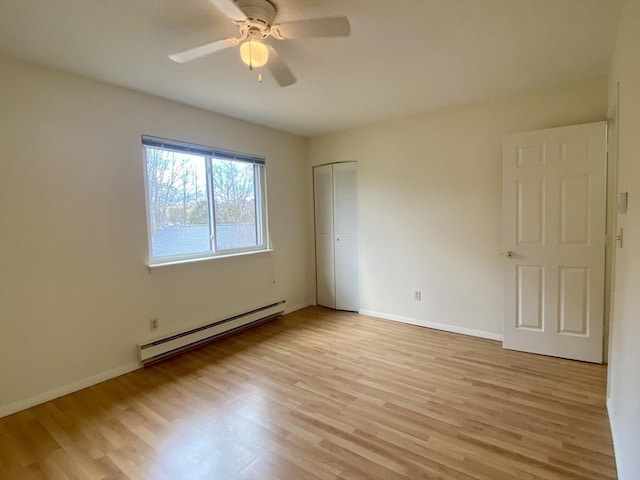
(196,149)
(225,256)
(209,154)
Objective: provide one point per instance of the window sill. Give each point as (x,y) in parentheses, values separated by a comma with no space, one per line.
(168,263)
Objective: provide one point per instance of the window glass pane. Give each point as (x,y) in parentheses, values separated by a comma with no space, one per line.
(178,205)
(235,204)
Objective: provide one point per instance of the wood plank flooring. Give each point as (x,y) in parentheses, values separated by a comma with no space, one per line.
(325,395)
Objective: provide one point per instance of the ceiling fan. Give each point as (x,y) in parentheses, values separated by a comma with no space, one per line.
(255,21)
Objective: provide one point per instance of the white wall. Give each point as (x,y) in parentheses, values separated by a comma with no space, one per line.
(430,195)
(75,293)
(624,349)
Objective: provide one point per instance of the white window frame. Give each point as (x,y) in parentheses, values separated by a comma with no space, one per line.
(209,154)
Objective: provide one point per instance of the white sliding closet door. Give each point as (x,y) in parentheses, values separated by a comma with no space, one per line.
(336,224)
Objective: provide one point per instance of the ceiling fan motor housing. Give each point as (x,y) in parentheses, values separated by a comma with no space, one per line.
(260,16)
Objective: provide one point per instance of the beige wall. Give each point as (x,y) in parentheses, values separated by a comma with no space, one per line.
(76,296)
(624,348)
(430,197)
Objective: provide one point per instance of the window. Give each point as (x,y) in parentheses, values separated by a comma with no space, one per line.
(202,202)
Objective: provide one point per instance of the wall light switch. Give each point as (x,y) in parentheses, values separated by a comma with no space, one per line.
(620,237)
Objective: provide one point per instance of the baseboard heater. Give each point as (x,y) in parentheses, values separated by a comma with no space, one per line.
(179,342)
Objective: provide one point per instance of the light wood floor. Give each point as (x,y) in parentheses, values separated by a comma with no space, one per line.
(326,395)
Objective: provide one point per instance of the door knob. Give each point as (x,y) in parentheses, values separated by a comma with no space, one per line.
(510,254)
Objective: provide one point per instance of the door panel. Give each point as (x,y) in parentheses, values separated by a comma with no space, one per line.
(325,271)
(530,297)
(575,214)
(530,211)
(325,260)
(345,198)
(347,285)
(346,236)
(573,300)
(553,220)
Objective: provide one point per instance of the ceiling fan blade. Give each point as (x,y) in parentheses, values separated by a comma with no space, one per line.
(317,27)
(279,69)
(203,50)
(230,9)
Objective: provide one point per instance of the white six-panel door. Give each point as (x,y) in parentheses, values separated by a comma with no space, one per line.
(554,241)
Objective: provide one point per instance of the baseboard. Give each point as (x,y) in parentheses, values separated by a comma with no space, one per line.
(116,372)
(437,326)
(86,382)
(66,389)
(289,310)
(611,425)
(613,436)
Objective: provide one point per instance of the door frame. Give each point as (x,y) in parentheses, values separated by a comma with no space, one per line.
(613,123)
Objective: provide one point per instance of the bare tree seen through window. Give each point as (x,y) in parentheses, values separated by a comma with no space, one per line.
(179,206)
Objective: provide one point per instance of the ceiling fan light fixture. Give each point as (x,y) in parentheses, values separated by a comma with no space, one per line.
(254,53)
(256,21)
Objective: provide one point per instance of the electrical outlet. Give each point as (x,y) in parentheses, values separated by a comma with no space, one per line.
(417,295)
(154,324)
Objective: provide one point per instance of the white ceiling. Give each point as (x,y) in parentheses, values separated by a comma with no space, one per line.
(403,56)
